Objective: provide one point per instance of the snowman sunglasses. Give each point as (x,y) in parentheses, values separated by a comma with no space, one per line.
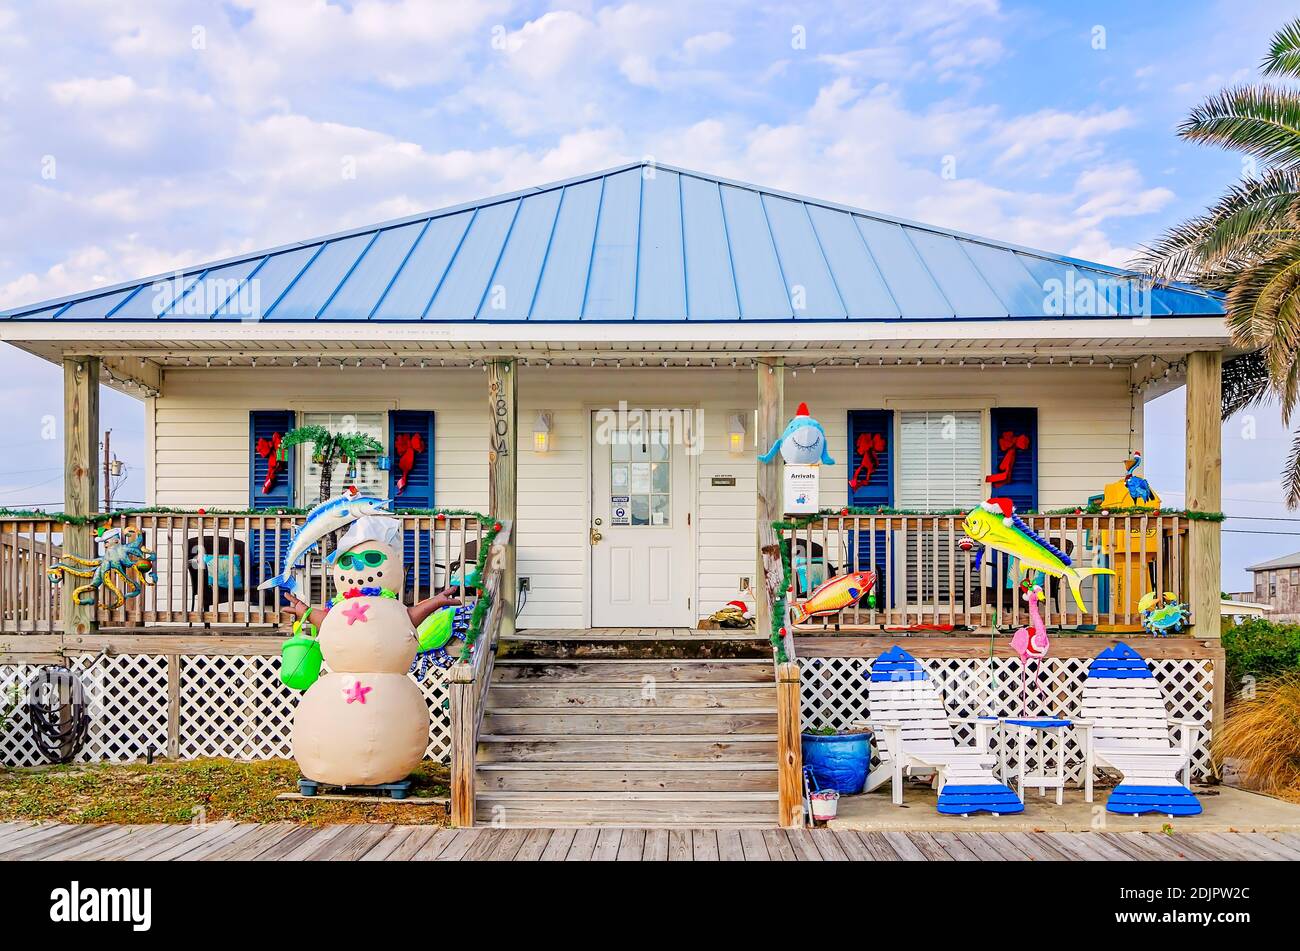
(361,559)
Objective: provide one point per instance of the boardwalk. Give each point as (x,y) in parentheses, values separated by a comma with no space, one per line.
(377,843)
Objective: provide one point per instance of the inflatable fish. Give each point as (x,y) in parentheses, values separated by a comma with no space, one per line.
(834,595)
(994,524)
(322,520)
(803,443)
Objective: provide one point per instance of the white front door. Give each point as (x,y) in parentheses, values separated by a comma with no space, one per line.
(642,536)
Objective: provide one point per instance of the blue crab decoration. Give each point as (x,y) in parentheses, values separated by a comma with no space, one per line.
(1162,616)
(126,562)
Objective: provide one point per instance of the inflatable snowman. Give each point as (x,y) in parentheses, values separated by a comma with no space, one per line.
(365,722)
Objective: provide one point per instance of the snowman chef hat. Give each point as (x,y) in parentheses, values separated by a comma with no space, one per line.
(370,528)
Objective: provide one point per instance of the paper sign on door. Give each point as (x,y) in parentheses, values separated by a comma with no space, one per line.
(620,510)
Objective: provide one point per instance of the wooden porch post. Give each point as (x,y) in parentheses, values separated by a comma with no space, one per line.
(771,410)
(503,473)
(1204,491)
(80,477)
(463,703)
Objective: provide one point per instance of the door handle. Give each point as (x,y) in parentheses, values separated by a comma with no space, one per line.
(596,536)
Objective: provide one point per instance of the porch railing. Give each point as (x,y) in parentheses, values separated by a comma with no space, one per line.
(469,687)
(209,567)
(925,580)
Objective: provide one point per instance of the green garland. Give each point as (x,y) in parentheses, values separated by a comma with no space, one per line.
(101,517)
(477,618)
(803,521)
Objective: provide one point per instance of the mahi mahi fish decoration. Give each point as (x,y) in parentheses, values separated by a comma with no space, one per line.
(996,525)
(325,518)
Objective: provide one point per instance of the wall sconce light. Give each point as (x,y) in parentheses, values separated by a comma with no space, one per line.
(542,433)
(736,433)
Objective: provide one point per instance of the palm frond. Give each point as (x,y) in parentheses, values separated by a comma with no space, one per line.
(1291,474)
(1283,57)
(1263,121)
(1257,311)
(1245,382)
(1238,230)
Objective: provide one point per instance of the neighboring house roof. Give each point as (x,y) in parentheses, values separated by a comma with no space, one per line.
(1286,561)
(640,242)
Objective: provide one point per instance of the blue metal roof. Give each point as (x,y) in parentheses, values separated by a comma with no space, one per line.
(640,242)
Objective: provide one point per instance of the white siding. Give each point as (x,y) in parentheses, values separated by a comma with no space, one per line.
(200,439)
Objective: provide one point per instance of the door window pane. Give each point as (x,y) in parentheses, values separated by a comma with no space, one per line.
(641,474)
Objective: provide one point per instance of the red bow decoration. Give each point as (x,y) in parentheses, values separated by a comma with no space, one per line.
(407,445)
(269,449)
(869,446)
(1009,444)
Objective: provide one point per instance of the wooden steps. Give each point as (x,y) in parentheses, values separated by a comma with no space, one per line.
(572,740)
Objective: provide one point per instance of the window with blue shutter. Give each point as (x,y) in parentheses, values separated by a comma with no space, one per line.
(871,469)
(1014,439)
(263,428)
(410,457)
(410,454)
(871,483)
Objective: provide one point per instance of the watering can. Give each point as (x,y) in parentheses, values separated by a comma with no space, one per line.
(300,657)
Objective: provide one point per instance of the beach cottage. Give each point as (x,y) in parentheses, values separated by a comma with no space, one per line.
(594,366)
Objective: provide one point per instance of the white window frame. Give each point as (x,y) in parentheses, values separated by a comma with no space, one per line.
(938,407)
(308,484)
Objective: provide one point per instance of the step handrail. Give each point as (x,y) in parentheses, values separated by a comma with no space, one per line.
(789,704)
(469,683)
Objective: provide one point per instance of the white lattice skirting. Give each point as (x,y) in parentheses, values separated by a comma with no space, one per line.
(835,693)
(229,706)
(235,706)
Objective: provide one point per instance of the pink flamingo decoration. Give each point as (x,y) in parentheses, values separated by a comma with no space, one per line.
(1031,645)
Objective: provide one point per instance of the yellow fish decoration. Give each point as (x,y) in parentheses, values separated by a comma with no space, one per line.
(995,525)
(834,595)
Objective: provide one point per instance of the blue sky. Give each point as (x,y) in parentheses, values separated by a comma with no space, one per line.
(136,137)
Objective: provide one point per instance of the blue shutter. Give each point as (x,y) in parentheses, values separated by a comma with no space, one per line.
(879,490)
(419,484)
(1023,487)
(263,424)
(417,495)
(869,423)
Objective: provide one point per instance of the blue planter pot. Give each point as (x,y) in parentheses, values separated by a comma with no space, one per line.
(838,762)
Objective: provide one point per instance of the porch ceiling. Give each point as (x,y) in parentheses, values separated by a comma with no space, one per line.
(135,354)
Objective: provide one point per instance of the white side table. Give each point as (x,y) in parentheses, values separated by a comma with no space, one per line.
(1049,730)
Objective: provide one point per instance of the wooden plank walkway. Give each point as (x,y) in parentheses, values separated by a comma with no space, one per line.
(379,842)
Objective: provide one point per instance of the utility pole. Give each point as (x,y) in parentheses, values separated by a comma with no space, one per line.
(108,472)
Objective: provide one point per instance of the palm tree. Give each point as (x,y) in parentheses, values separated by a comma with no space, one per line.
(1247,244)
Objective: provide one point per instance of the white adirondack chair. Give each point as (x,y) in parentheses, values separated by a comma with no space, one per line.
(1124,726)
(914,736)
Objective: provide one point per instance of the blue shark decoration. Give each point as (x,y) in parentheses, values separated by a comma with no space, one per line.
(322,520)
(803,443)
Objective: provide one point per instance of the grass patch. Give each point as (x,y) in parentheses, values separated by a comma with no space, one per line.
(179,792)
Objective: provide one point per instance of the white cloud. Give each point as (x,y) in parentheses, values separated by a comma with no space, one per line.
(706,44)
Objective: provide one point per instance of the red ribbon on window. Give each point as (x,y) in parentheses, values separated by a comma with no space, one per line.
(406,446)
(869,446)
(269,449)
(1009,444)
